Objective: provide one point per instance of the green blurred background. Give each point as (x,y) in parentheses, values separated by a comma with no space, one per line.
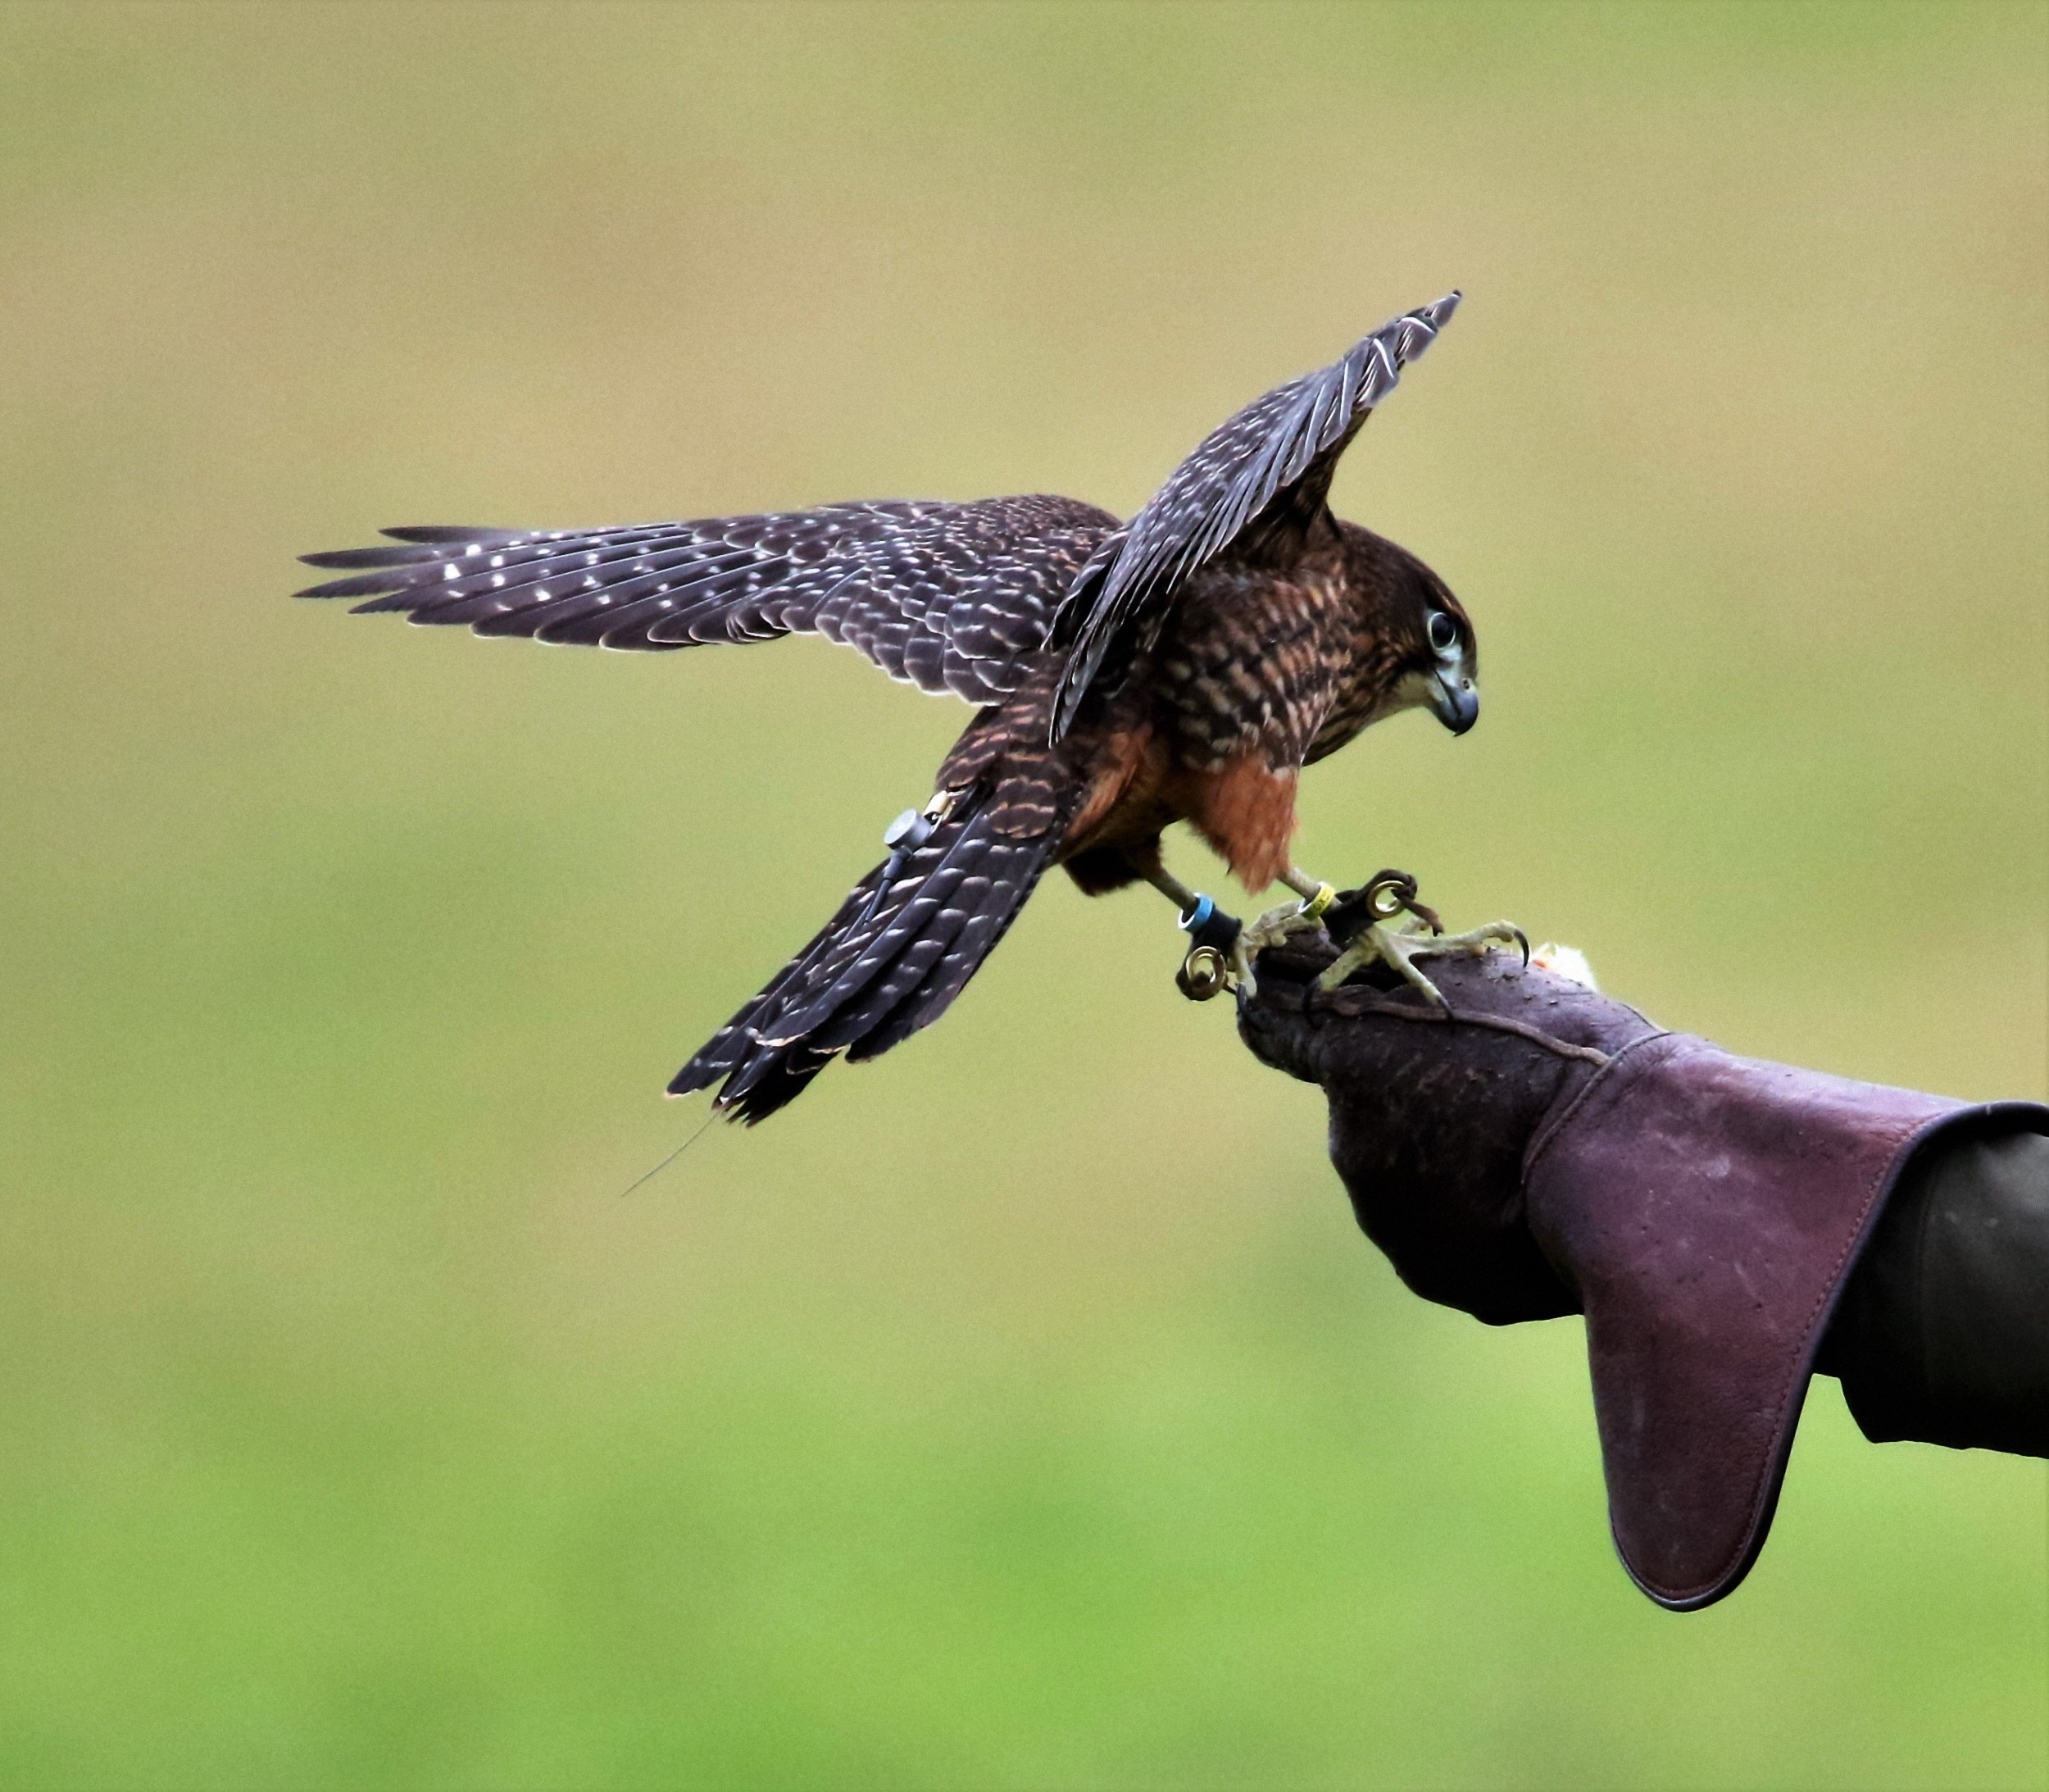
(1024,1411)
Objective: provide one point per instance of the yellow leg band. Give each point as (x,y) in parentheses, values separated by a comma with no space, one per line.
(1313,907)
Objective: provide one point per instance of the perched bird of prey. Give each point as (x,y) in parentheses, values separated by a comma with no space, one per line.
(1181,667)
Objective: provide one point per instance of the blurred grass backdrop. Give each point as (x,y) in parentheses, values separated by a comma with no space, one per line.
(1024,1411)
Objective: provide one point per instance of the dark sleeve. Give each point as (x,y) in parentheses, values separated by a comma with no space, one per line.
(1943,1332)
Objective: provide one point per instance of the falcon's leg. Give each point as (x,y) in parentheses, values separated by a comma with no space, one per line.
(1237,947)
(1187,900)
(1366,927)
(1244,943)
(1399,951)
(1212,964)
(1363,923)
(1278,924)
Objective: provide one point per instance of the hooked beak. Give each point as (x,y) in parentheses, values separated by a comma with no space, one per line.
(1456,700)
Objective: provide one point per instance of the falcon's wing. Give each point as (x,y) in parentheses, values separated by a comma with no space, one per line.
(950,597)
(1260,476)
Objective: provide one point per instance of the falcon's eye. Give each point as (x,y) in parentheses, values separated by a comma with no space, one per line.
(1444,632)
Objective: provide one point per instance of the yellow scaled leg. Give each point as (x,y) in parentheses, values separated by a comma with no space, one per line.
(1381,944)
(1280,924)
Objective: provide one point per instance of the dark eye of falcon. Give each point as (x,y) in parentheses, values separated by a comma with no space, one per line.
(1444,632)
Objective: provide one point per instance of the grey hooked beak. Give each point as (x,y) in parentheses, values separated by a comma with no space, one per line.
(1456,700)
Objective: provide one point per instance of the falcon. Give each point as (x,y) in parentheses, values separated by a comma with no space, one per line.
(1182,667)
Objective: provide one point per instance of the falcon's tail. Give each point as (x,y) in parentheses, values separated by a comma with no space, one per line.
(880,969)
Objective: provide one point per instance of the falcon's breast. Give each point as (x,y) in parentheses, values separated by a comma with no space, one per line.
(1255,661)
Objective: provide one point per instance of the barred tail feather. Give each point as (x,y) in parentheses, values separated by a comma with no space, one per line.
(880,969)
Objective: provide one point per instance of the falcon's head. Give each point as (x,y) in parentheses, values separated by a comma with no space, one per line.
(1424,640)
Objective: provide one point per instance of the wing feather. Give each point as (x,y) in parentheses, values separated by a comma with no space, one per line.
(950,597)
(1268,467)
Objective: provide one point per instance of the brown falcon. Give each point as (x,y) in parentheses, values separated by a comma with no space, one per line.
(1183,666)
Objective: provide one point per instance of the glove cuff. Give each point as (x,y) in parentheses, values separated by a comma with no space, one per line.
(1706,1210)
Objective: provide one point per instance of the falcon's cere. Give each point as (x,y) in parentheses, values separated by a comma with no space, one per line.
(1181,667)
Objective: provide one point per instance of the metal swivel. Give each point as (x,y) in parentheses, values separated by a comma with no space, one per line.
(1383,897)
(1206,972)
(1203,974)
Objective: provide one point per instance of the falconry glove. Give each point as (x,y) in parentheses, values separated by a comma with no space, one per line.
(1532,1148)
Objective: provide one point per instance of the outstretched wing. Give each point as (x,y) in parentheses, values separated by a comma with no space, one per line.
(1251,487)
(950,597)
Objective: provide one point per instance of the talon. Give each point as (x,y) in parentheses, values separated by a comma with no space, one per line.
(1422,984)
(1399,951)
(1241,976)
(1472,945)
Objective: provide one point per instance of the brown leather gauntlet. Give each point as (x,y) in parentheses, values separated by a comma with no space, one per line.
(1539,1149)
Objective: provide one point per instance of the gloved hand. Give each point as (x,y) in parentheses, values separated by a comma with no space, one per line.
(1536,1149)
